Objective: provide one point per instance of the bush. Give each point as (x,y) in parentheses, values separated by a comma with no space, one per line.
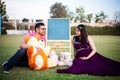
(117,26)
(99,30)
(3,31)
(72,30)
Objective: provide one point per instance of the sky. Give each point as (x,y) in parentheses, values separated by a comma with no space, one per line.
(39,9)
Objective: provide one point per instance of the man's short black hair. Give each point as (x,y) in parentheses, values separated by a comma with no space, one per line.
(38,25)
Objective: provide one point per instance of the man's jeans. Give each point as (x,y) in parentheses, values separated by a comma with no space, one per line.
(18,59)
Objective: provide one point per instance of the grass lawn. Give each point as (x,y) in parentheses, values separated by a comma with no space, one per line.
(108,46)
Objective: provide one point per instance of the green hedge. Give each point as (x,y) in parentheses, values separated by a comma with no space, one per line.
(100,30)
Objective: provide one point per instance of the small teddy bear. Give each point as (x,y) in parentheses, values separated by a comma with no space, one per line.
(64,59)
(52,59)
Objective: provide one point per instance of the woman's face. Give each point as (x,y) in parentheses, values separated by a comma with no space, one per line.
(78,33)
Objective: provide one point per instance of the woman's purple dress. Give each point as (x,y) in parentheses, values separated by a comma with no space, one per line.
(96,65)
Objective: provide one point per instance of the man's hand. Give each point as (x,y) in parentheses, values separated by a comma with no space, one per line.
(38,50)
(24,45)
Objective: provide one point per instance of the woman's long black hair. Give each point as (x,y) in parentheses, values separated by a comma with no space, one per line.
(83,37)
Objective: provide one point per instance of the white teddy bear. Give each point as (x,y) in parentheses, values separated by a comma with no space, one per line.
(64,58)
(53,58)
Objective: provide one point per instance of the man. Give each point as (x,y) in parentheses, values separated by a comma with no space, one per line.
(20,57)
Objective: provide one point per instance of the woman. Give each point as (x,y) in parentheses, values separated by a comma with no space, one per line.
(87,60)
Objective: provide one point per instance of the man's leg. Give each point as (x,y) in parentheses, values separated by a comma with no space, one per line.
(14,59)
(23,62)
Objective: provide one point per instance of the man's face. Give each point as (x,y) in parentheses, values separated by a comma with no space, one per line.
(42,30)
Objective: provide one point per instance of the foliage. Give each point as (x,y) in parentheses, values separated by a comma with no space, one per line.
(3,31)
(3,10)
(73,30)
(70,15)
(80,14)
(58,10)
(117,25)
(25,20)
(99,30)
(99,17)
(89,17)
(117,16)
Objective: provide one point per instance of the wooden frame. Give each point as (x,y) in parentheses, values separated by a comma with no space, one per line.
(58,42)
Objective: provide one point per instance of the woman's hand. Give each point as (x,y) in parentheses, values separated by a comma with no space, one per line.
(84,58)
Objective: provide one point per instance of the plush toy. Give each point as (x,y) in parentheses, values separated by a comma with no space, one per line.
(39,56)
(64,59)
(52,59)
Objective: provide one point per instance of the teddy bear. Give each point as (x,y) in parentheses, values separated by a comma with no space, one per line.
(64,59)
(40,56)
(52,59)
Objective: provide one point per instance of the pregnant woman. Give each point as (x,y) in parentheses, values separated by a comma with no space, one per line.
(87,60)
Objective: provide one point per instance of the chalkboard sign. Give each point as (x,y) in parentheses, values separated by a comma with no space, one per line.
(58,29)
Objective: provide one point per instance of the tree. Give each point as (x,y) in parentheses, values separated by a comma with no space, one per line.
(117,16)
(25,20)
(89,17)
(80,14)
(58,11)
(3,10)
(100,17)
(70,15)
(97,19)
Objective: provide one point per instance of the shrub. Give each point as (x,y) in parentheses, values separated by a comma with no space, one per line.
(99,30)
